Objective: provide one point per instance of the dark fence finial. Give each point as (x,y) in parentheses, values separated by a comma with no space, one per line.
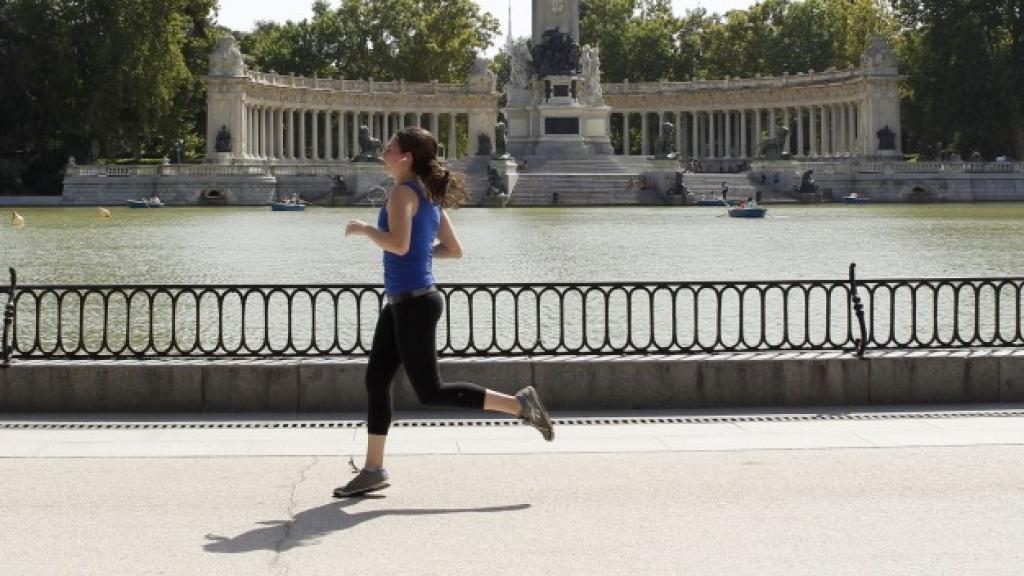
(858,308)
(5,348)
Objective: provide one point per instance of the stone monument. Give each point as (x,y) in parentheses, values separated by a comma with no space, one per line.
(555,103)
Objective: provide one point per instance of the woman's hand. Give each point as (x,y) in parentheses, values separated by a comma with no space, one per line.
(355,228)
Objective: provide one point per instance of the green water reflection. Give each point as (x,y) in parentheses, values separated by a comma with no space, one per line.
(254,245)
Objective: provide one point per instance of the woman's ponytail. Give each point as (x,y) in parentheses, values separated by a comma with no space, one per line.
(445,187)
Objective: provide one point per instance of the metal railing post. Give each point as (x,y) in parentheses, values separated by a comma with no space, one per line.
(858,308)
(5,348)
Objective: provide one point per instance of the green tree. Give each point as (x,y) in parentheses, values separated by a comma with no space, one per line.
(964,62)
(121,73)
(412,40)
(639,39)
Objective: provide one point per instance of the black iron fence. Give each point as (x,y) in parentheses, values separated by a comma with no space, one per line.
(517,319)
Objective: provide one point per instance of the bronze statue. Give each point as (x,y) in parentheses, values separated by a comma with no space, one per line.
(370,147)
(501,142)
(664,147)
(223,143)
(775,148)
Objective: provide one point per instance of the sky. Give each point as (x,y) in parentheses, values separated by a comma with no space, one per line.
(242,14)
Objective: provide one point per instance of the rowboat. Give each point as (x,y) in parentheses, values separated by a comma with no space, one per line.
(854,198)
(748,212)
(287,207)
(714,202)
(145,204)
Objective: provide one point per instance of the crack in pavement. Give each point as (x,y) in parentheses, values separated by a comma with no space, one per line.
(279,546)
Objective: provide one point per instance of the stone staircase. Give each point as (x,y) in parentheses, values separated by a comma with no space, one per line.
(573,190)
(599,181)
(741,186)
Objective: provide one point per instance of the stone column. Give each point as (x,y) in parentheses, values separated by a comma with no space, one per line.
(328,134)
(813,131)
(288,129)
(787,145)
(681,134)
(771,122)
(728,134)
(644,133)
(263,132)
(851,130)
(435,125)
(342,144)
(743,134)
(757,132)
(453,143)
(419,119)
(302,134)
(694,137)
(249,140)
(254,133)
(826,131)
(626,148)
(837,129)
(278,134)
(712,133)
(799,131)
(315,136)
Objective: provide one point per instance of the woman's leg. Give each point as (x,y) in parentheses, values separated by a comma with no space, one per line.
(380,372)
(416,335)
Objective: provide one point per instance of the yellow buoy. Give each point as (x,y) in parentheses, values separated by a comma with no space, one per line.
(104,213)
(17,220)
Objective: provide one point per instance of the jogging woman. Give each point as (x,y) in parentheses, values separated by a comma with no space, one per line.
(412,229)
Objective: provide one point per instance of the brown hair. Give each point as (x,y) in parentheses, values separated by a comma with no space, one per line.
(445,187)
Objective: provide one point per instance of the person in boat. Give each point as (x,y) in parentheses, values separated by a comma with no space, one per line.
(413,229)
(725,191)
(751,204)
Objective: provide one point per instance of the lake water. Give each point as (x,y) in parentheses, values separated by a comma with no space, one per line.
(559,245)
(257,246)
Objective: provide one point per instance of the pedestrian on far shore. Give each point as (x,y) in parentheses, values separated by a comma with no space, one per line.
(413,228)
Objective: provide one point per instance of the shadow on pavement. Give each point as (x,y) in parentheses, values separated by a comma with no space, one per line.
(309,525)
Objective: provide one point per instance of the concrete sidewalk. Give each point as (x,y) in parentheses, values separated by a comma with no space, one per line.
(900,493)
(452,433)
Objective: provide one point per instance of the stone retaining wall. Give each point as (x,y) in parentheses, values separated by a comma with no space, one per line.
(579,383)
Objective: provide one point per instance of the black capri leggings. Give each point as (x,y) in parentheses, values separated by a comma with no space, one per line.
(406,336)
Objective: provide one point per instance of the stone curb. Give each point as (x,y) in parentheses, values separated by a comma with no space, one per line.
(566,383)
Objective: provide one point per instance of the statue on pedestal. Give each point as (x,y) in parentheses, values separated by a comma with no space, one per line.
(501,142)
(807,184)
(557,54)
(590,62)
(774,148)
(664,147)
(520,65)
(223,143)
(886,138)
(481,77)
(226,59)
(370,147)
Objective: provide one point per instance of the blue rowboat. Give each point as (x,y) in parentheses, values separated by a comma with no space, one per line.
(855,199)
(145,204)
(748,212)
(285,207)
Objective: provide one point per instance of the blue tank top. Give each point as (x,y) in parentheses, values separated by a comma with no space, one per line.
(413,271)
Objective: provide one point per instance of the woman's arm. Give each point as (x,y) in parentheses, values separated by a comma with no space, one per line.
(448,245)
(402,205)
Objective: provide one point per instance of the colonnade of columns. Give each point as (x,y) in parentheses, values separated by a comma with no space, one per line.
(322,135)
(824,130)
